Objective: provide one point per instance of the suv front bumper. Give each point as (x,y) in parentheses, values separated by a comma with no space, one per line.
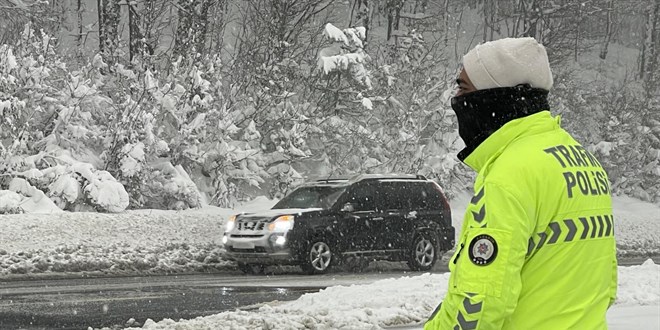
(261,249)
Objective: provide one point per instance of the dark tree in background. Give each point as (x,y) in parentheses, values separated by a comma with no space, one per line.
(651,42)
(109,15)
(192,26)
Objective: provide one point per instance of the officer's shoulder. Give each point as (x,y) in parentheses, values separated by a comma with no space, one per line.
(523,156)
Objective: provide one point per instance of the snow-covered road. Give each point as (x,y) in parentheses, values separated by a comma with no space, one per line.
(156,242)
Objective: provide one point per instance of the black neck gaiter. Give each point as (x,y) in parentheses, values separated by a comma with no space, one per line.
(483,112)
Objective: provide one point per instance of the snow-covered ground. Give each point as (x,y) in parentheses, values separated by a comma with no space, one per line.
(156,241)
(408,301)
(151,241)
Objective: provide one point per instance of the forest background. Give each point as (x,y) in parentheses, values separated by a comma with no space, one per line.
(171,104)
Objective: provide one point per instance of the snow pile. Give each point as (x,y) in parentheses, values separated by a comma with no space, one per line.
(390,302)
(10,202)
(636,226)
(116,259)
(157,241)
(145,241)
(639,285)
(32,200)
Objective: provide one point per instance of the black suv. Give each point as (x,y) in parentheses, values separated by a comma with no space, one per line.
(375,217)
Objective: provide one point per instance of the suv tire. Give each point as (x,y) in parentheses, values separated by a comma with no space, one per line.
(254,269)
(318,257)
(424,253)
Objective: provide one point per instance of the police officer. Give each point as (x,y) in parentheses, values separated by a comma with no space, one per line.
(537,248)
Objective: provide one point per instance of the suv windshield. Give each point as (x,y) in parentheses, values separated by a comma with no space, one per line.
(311,197)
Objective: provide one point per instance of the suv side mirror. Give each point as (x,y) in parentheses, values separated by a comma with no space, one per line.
(348,207)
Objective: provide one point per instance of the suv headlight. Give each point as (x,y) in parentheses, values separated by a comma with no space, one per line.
(231,222)
(283,223)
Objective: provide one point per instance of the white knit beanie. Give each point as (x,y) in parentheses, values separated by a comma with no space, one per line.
(508,62)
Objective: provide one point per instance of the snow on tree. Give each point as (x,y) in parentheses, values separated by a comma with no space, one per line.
(348,57)
(205,120)
(10,202)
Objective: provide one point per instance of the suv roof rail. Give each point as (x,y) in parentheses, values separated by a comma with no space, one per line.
(388,176)
(343,179)
(330,179)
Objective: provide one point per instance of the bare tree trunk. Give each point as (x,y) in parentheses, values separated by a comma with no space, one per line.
(446,19)
(493,18)
(654,40)
(202,26)
(398,17)
(193,26)
(519,18)
(280,10)
(642,55)
(390,22)
(109,13)
(182,42)
(219,12)
(393,9)
(136,38)
(350,17)
(484,35)
(99,12)
(608,30)
(577,31)
(363,18)
(490,16)
(79,11)
(645,44)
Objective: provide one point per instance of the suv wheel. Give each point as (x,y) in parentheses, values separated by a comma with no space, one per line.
(318,259)
(423,254)
(254,269)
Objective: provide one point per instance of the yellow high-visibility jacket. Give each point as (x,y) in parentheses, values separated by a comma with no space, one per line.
(537,247)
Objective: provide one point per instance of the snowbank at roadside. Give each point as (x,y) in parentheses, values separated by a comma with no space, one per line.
(157,241)
(144,241)
(401,301)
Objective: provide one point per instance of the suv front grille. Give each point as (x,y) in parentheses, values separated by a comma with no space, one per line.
(251,225)
(245,236)
(257,249)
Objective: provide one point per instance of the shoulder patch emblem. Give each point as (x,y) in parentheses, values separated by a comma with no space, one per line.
(483,250)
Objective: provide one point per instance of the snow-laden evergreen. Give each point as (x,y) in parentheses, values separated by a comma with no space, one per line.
(258,103)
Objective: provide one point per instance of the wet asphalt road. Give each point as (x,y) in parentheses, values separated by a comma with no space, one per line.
(112,302)
(79,303)
(82,302)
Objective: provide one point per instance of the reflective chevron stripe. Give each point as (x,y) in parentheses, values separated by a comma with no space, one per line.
(470,310)
(609,225)
(465,324)
(585,228)
(572,229)
(593,227)
(476,198)
(542,237)
(530,246)
(556,231)
(437,309)
(479,217)
(564,231)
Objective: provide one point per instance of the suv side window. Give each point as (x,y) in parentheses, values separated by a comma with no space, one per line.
(429,198)
(391,196)
(363,197)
